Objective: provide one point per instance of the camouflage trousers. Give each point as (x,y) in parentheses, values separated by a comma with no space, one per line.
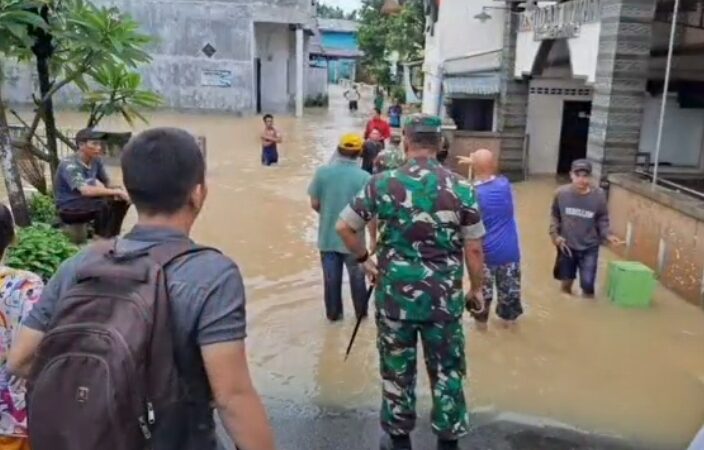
(505,280)
(443,347)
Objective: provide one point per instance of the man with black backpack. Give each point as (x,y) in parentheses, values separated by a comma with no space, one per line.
(134,339)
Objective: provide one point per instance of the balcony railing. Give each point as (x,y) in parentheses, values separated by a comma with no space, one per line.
(560,21)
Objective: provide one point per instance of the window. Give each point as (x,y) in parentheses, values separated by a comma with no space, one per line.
(473,114)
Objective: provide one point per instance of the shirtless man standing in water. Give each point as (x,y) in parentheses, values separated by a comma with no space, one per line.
(270,139)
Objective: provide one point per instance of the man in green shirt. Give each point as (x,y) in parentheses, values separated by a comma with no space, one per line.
(333,187)
(429,225)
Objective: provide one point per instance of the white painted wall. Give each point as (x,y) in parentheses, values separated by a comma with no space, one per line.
(584,52)
(545,123)
(683,132)
(462,34)
(316,81)
(432,70)
(274,47)
(526,52)
(458,34)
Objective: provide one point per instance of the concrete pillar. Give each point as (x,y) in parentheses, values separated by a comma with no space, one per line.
(619,90)
(299,71)
(513,104)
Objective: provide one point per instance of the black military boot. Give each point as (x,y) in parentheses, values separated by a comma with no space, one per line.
(402,442)
(448,445)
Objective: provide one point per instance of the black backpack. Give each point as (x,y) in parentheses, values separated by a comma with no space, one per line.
(105,372)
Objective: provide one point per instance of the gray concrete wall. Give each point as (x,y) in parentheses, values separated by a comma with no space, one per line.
(181,72)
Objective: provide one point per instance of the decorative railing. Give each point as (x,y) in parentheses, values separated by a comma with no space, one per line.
(560,21)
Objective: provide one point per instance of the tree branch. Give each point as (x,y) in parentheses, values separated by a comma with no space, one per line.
(66,140)
(31,130)
(69,79)
(31,148)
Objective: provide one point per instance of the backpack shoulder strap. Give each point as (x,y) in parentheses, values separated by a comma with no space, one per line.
(167,252)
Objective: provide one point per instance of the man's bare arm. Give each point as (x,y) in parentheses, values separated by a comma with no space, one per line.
(236,399)
(99,191)
(474,258)
(23,351)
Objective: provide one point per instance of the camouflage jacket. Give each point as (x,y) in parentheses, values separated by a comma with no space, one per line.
(425,214)
(388,159)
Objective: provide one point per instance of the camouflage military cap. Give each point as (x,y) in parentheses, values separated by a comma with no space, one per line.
(422,123)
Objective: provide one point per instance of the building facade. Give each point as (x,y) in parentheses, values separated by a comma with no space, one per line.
(463,73)
(467,81)
(338,49)
(241,56)
(581,78)
(595,71)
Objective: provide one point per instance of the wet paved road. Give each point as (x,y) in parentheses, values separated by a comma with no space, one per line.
(296,429)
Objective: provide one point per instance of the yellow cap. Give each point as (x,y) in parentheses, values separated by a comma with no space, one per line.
(352,142)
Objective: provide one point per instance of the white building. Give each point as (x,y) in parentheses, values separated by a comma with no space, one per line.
(595,88)
(463,62)
(582,78)
(241,56)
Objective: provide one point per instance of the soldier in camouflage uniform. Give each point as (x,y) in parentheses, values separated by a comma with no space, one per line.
(427,218)
(391,158)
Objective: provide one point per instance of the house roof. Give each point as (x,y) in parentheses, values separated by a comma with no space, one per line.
(339,25)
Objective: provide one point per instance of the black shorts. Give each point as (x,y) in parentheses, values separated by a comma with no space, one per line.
(354,105)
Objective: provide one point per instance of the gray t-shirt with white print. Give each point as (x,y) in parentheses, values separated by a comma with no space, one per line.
(582,219)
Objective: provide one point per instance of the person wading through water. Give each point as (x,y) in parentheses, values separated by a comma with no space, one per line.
(271,138)
(428,220)
(334,185)
(390,158)
(371,149)
(502,254)
(353,97)
(579,224)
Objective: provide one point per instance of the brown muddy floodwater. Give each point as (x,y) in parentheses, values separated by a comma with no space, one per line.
(632,373)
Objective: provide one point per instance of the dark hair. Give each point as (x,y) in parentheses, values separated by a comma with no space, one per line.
(7,228)
(430,141)
(267,116)
(378,110)
(160,168)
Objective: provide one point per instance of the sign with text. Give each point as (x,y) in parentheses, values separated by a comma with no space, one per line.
(216,78)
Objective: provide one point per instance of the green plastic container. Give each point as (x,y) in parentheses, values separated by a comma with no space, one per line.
(631,284)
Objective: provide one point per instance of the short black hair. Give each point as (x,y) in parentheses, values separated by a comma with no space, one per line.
(430,141)
(7,228)
(378,110)
(267,116)
(160,168)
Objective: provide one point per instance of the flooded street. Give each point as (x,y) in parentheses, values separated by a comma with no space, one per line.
(632,373)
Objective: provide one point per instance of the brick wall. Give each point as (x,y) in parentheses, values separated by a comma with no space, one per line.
(663,230)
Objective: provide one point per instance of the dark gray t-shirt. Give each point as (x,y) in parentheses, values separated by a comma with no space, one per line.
(582,219)
(207,307)
(72,174)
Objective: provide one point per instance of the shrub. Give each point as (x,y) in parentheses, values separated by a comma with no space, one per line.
(398,93)
(42,209)
(40,249)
